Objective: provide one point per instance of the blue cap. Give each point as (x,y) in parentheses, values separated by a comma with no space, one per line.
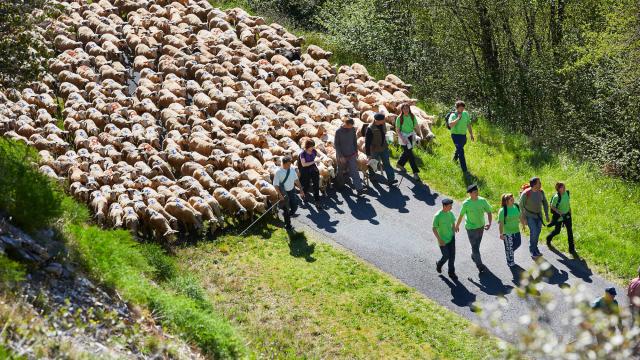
(611,290)
(447,201)
(378,116)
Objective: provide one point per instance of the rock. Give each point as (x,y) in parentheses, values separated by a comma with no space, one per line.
(19,245)
(54,268)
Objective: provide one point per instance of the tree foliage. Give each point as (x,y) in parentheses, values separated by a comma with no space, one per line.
(22,45)
(562,71)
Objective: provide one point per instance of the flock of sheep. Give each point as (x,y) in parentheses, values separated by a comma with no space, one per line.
(177,113)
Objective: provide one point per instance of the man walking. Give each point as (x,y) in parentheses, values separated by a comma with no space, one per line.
(285,181)
(443,229)
(459,123)
(532,201)
(347,154)
(634,299)
(474,209)
(376,146)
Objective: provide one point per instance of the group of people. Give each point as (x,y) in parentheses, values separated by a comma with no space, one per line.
(528,211)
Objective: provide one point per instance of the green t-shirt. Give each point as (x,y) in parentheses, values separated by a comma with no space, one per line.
(475,210)
(443,222)
(513,220)
(460,128)
(564,205)
(408,125)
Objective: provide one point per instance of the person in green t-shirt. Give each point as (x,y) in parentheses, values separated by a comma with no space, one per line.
(460,123)
(474,209)
(509,219)
(443,229)
(561,210)
(405,128)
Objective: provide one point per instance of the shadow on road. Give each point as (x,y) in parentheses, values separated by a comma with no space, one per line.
(577,267)
(490,284)
(462,297)
(361,209)
(321,218)
(299,247)
(391,198)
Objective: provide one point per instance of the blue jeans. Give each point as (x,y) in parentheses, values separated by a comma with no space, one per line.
(459,141)
(535,227)
(289,206)
(383,156)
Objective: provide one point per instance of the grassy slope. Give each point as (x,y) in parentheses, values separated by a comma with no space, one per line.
(299,299)
(606,213)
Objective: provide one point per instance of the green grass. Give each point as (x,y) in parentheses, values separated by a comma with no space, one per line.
(294,299)
(605,210)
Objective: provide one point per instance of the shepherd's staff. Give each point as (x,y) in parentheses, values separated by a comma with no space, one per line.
(261,216)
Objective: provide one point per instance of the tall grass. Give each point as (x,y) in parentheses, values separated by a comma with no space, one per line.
(27,195)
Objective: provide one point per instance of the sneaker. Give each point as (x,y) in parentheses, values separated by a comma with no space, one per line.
(439,268)
(453,276)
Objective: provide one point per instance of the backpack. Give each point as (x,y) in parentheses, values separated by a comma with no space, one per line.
(507,212)
(446,118)
(525,189)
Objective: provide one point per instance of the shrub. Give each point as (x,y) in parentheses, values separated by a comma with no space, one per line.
(27,195)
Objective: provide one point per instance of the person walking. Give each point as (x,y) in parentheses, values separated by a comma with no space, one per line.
(444,230)
(460,122)
(509,220)
(285,180)
(309,173)
(347,154)
(405,128)
(376,146)
(532,202)
(634,299)
(561,215)
(474,209)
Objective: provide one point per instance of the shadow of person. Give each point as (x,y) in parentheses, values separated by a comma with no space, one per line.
(462,297)
(361,209)
(322,219)
(577,267)
(470,178)
(422,192)
(392,198)
(331,200)
(490,284)
(553,276)
(299,247)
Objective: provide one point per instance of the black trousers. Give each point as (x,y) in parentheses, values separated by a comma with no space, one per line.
(558,226)
(448,254)
(310,178)
(407,155)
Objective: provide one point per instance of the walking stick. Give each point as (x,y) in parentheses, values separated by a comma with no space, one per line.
(258,219)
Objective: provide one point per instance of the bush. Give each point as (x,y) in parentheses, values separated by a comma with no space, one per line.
(27,195)
(11,272)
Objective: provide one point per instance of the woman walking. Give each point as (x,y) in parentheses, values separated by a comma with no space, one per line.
(509,220)
(309,174)
(561,215)
(405,128)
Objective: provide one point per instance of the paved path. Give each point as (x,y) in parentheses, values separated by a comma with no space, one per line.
(391,228)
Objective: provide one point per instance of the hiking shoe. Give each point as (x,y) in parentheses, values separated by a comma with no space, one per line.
(453,276)
(439,268)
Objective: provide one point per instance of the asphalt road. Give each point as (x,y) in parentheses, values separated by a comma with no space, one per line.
(391,229)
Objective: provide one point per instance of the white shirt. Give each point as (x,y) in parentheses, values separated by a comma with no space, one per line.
(291,180)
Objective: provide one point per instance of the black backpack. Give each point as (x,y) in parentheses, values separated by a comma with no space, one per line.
(446,118)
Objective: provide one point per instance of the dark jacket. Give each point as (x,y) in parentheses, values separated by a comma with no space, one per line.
(345,142)
(375,141)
